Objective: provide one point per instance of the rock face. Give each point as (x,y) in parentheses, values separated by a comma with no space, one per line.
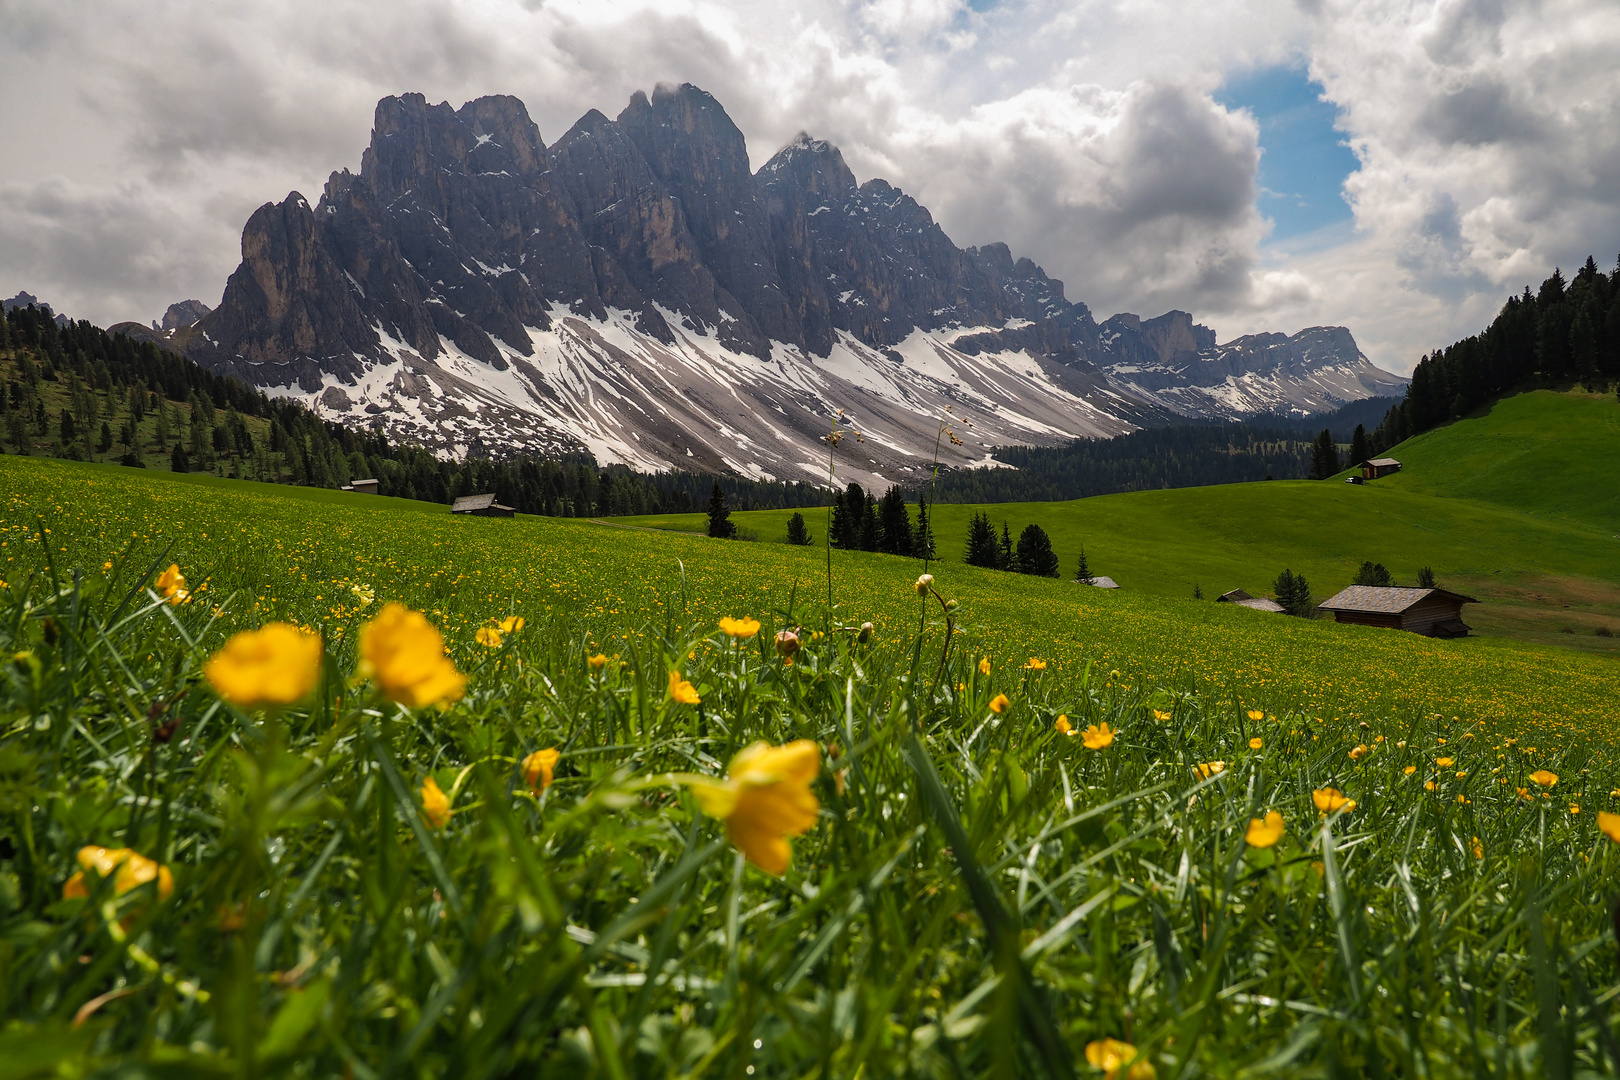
(185,313)
(637,291)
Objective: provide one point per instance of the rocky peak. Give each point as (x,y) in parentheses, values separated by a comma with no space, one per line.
(504,137)
(185,313)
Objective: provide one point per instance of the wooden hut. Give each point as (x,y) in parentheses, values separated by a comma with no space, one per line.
(481,506)
(1101,582)
(363,487)
(1373,468)
(1430,612)
(1243,599)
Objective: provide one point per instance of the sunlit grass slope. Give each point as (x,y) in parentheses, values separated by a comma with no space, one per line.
(288,553)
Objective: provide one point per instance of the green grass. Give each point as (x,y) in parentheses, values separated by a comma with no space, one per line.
(1543,567)
(980,895)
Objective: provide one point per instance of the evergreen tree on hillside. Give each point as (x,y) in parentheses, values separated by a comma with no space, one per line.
(177,459)
(1035,554)
(838,524)
(797,532)
(1360,447)
(922,541)
(1294,595)
(1426,578)
(720,523)
(1007,558)
(1372,573)
(894,523)
(1324,456)
(871,531)
(981,543)
(1082,572)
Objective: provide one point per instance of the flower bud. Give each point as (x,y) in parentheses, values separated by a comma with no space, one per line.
(865,634)
(925,583)
(787,643)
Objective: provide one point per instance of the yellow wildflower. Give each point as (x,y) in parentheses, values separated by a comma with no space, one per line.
(512,624)
(597,662)
(1256,743)
(538,768)
(1428,785)
(1160,715)
(172,584)
(1479,848)
(923,584)
(984,665)
(1544,778)
(1329,800)
(435,804)
(1118,1060)
(1409,770)
(1256,714)
(1358,752)
(1264,833)
(127,868)
(1609,825)
(1208,769)
(739,628)
(999,704)
(681,691)
(1098,736)
(403,654)
(765,800)
(1063,726)
(1574,809)
(489,636)
(275,665)
(1036,665)
(1444,762)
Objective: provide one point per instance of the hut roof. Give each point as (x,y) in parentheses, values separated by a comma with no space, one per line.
(1382,462)
(1103,583)
(1260,603)
(1233,597)
(1385,599)
(468,503)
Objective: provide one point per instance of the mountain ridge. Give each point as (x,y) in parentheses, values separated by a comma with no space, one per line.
(636,290)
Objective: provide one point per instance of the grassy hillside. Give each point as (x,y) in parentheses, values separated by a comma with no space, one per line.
(364,888)
(1546,575)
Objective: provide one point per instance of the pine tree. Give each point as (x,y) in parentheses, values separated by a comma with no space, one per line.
(894,523)
(1293,594)
(797,532)
(1198,591)
(1008,560)
(720,525)
(1372,573)
(1035,554)
(177,459)
(871,532)
(1324,456)
(981,543)
(1426,578)
(67,429)
(1360,447)
(922,541)
(1082,572)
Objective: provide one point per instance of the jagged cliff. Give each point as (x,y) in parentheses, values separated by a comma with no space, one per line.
(636,290)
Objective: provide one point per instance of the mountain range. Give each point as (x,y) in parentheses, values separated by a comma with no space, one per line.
(637,291)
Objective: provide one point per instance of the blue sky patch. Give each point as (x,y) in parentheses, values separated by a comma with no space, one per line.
(1305,161)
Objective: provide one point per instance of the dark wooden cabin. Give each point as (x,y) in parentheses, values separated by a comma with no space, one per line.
(481,506)
(1430,612)
(364,487)
(1376,467)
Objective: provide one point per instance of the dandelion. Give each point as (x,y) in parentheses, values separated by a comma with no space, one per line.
(1544,778)
(127,868)
(984,663)
(435,804)
(1256,743)
(1256,714)
(1207,769)
(276,665)
(172,584)
(1035,665)
(787,643)
(1609,825)
(597,662)
(681,691)
(1063,727)
(1331,800)
(1098,736)
(999,704)
(1118,1060)
(1358,752)
(765,800)
(539,767)
(1444,762)
(739,628)
(403,654)
(1264,833)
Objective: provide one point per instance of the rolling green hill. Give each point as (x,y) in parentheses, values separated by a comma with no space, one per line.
(1511,507)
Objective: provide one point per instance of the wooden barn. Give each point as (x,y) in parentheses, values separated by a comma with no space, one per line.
(1381,466)
(481,506)
(364,487)
(1243,599)
(1430,612)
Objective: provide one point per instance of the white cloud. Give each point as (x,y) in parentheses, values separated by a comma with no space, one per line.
(141,133)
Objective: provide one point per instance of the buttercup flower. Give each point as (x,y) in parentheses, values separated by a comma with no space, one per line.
(1097,736)
(1609,825)
(275,665)
(597,662)
(512,624)
(1524,793)
(1358,752)
(1328,800)
(1063,726)
(1118,1060)
(1544,778)
(1207,769)
(1256,743)
(1409,770)
(984,665)
(1036,665)
(1160,715)
(435,804)
(1266,832)
(539,767)
(681,691)
(1256,714)
(1478,848)
(1444,762)
(403,654)
(172,584)
(127,868)
(739,628)
(490,636)
(999,704)
(765,800)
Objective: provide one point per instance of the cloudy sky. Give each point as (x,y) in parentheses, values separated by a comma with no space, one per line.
(1395,167)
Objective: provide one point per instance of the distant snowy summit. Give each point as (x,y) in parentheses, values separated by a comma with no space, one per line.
(636,291)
